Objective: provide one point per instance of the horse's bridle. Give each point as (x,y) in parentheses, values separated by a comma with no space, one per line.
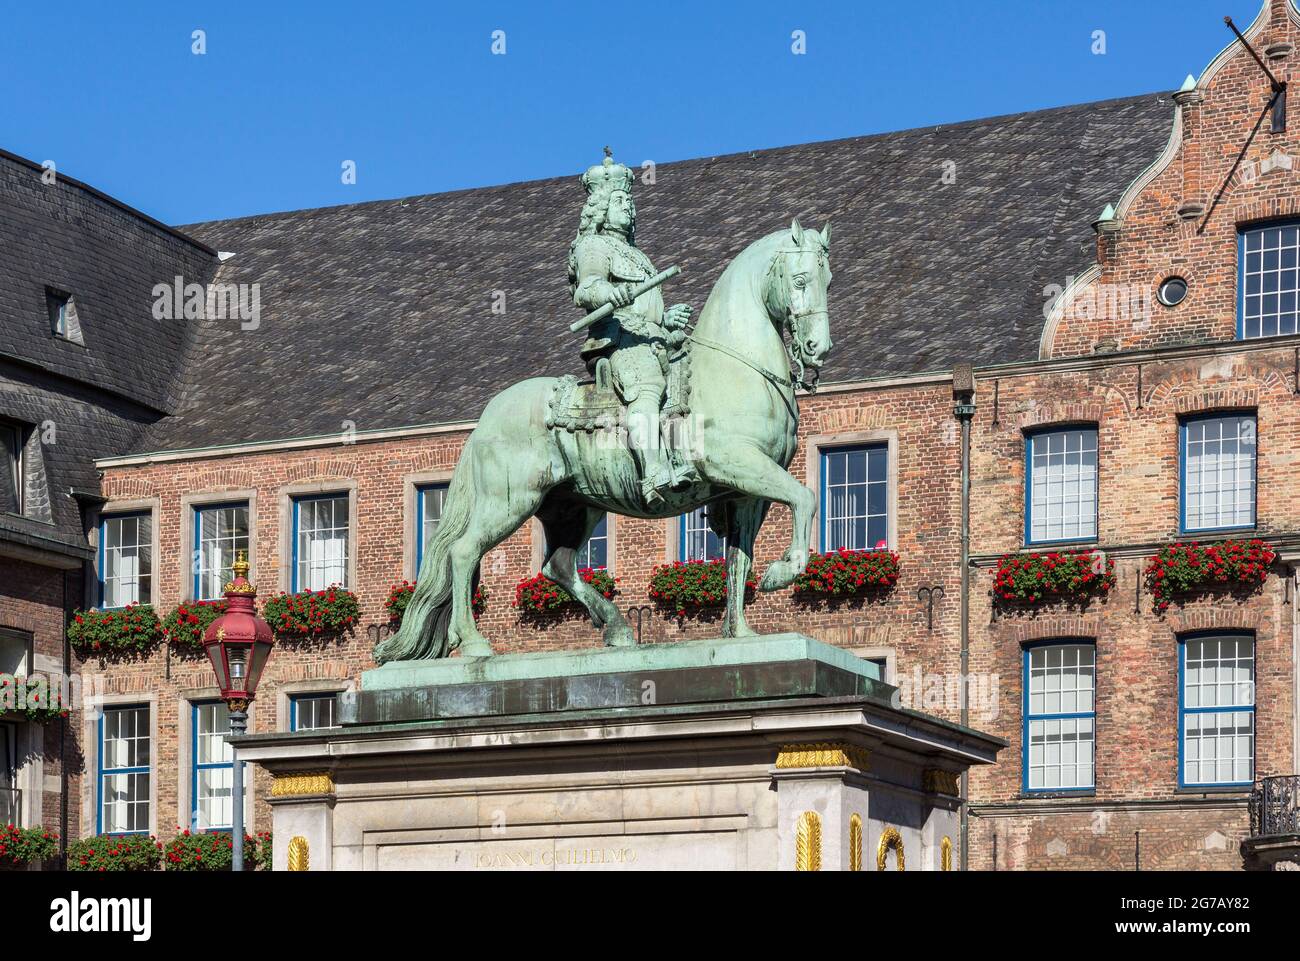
(794,322)
(793,349)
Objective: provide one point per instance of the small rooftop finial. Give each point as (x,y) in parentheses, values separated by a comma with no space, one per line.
(240,567)
(1189,83)
(609,156)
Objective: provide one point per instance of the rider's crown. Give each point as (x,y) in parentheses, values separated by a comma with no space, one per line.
(607,175)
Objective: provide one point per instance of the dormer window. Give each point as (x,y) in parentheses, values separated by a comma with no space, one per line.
(64,322)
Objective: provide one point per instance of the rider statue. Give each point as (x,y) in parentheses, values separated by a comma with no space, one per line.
(605,267)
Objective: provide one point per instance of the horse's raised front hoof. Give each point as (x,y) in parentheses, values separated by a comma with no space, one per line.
(620,637)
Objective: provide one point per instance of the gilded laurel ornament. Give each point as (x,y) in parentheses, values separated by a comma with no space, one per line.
(945,854)
(938,781)
(890,840)
(808,842)
(823,754)
(298,857)
(855,842)
(302,785)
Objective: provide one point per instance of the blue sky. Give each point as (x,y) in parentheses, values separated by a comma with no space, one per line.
(412,92)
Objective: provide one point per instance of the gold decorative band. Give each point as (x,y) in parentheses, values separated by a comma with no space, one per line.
(889,839)
(302,785)
(808,842)
(938,781)
(298,858)
(823,754)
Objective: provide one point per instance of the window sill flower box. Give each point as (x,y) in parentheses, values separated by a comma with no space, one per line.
(214,851)
(540,596)
(686,587)
(1042,577)
(185,626)
(1185,570)
(399,596)
(20,847)
(30,699)
(115,852)
(312,615)
(846,574)
(123,632)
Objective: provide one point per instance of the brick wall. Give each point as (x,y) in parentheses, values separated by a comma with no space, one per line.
(31,605)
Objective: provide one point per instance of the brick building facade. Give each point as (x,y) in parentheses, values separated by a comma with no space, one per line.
(1139,379)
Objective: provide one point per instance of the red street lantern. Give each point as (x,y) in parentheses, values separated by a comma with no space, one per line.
(238,642)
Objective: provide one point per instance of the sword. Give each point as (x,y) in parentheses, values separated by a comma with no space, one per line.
(600,313)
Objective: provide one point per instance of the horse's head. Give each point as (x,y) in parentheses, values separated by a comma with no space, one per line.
(796,298)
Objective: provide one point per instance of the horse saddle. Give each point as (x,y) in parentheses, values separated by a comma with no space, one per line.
(595,405)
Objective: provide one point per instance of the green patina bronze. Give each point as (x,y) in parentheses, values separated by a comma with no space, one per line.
(674,420)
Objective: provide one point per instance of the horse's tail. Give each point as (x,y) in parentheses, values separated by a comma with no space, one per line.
(424,631)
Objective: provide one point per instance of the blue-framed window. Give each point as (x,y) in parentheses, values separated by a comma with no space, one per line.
(1217,472)
(320,542)
(212,766)
(1216,710)
(429,501)
(855,497)
(696,540)
(125,559)
(1268,281)
(123,794)
(595,553)
(1061,485)
(1060,720)
(313,712)
(219,531)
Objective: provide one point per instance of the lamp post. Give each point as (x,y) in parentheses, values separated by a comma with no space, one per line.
(238,643)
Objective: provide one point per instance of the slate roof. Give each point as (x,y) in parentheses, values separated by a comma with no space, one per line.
(381,313)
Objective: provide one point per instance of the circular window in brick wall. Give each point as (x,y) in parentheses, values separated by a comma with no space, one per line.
(1172,291)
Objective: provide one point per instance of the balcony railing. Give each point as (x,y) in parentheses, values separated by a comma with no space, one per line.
(11,805)
(1275,806)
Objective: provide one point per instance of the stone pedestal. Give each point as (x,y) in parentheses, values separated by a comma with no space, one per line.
(772,753)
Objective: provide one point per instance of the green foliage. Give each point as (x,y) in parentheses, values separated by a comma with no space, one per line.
(134,629)
(109,852)
(32,698)
(846,573)
(214,851)
(1055,575)
(312,614)
(691,585)
(185,626)
(20,846)
(400,596)
(1181,569)
(540,595)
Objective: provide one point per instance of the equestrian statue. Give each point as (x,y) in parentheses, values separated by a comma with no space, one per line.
(674,418)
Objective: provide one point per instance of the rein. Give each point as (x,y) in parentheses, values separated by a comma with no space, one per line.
(736,355)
